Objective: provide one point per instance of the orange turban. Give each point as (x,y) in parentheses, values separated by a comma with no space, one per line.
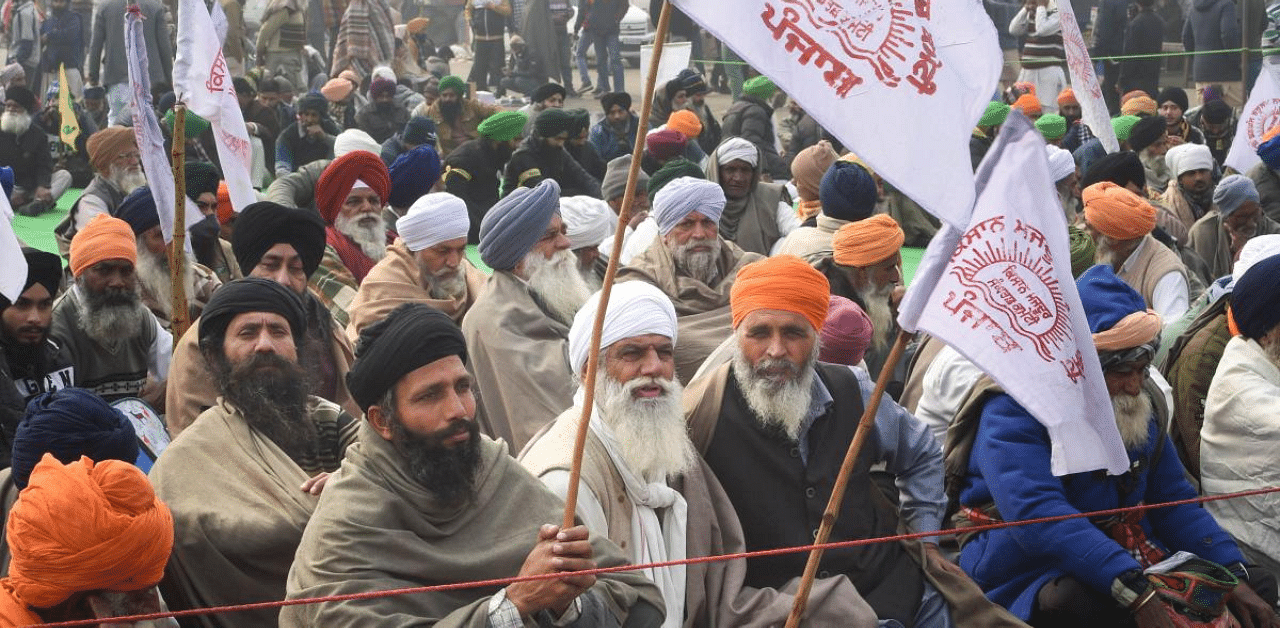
(867,242)
(105,145)
(225,211)
(1116,212)
(1130,95)
(781,282)
(809,166)
(686,122)
(337,179)
(1068,97)
(1274,131)
(417,25)
(86,526)
(1139,105)
(1028,104)
(102,239)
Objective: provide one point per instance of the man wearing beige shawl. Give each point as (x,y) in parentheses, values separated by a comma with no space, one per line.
(426,264)
(758,213)
(645,487)
(693,265)
(425,499)
(244,478)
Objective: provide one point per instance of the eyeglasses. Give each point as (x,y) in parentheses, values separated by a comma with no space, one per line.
(129,156)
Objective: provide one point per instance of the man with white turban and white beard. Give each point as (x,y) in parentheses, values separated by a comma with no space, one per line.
(644,486)
(693,265)
(589,225)
(1066,179)
(426,264)
(517,330)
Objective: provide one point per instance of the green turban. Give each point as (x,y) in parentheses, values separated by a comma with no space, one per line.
(1083,250)
(1052,126)
(552,122)
(670,171)
(1123,125)
(454,83)
(504,125)
(759,87)
(994,115)
(194,125)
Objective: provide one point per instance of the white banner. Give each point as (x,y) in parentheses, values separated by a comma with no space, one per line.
(14,275)
(1259,115)
(146,130)
(1093,107)
(201,80)
(1000,292)
(901,83)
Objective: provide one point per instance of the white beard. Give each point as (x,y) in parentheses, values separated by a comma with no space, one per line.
(1273,350)
(153,275)
(875,300)
(15,123)
(126,179)
(651,433)
(776,401)
(557,283)
(368,230)
(446,284)
(701,266)
(109,325)
(1133,417)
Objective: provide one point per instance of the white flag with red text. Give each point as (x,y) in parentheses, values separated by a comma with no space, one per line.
(1093,108)
(1000,292)
(146,130)
(1259,115)
(14,263)
(900,82)
(201,80)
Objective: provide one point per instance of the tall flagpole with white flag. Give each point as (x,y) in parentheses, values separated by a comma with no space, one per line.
(201,80)
(14,275)
(901,83)
(1093,107)
(1000,292)
(1260,114)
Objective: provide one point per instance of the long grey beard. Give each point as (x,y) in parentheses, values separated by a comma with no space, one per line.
(126,179)
(875,302)
(368,230)
(776,403)
(153,272)
(651,433)
(446,284)
(1133,417)
(1273,350)
(15,123)
(700,266)
(557,283)
(111,319)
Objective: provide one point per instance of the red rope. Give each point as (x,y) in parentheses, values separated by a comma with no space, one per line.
(367,595)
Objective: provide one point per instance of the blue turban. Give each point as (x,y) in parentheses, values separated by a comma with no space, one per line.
(684,196)
(1106,298)
(70,423)
(847,192)
(139,210)
(516,223)
(6,180)
(1255,301)
(413,174)
(1269,152)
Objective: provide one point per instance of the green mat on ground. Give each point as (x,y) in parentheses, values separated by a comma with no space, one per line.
(38,232)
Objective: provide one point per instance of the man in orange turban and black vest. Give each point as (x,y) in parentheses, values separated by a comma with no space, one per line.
(774,425)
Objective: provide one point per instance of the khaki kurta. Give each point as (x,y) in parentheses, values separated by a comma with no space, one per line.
(1174,212)
(396,280)
(377,528)
(238,514)
(703,316)
(519,356)
(1209,239)
(812,244)
(714,594)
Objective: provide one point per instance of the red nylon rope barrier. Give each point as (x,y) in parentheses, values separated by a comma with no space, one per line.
(687,561)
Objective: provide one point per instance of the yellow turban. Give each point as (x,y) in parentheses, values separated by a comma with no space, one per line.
(86,526)
(1139,104)
(105,145)
(1116,212)
(782,282)
(867,242)
(102,239)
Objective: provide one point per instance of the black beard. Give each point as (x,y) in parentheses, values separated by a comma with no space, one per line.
(271,394)
(1071,120)
(385,107)
(448,472)
(450,110)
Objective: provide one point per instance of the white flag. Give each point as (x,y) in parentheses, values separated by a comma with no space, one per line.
(1259,115)
(14,275)
(201,80)
(1093,108)
(146,130)
(899,83)
(1000,292)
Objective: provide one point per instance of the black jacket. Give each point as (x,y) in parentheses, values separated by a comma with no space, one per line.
(29,156)
(471,174)
(752,120)
(535,161)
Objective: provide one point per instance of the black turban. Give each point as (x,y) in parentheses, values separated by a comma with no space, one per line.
(202,178)
(621,99)
(70,423)
(42,268)
(264,224)
(1120,168)
(1145,132)
(1255,300)
(552,122)
(251,294)
(581,121)
(547,90)
(412,336)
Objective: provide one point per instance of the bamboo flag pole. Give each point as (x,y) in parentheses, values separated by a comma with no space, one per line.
(842,480)
(180,317)
(624,216)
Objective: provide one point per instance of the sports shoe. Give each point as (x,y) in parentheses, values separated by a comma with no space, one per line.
(586,87)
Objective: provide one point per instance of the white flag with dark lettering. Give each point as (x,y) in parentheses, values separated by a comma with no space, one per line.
(1260,114)
(1093,108)
(901,83)
(1000,292)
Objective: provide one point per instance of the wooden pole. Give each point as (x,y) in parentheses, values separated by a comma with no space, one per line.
(842,480)
(1245,29)
(624,216)
(180,317)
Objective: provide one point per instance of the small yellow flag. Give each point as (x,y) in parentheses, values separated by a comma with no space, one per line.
(70,129)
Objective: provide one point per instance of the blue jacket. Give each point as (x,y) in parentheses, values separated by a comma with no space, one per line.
(1010,466)
(1212,25)
(608,143)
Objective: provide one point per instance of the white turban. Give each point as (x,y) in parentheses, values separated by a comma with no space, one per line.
(636,308)
(1255,250)
(1187,157)
(1061,163)
(383,71)
(684,196)
(352,140)
(737,148)
(432,219)
(587,221)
